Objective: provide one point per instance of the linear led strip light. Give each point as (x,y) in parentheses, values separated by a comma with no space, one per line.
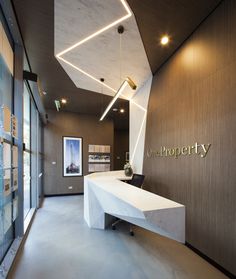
(98,32)
(127,81)
(58,105)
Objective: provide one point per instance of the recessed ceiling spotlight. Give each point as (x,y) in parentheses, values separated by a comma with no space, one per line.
(122,110)
(63,101)
(115,109)
(164,40)
(44,92)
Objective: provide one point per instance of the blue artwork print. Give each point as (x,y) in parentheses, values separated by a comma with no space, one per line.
(72,157)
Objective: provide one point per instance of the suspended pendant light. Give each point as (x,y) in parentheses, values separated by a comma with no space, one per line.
(127,81)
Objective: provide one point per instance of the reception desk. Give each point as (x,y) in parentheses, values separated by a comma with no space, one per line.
(106,193)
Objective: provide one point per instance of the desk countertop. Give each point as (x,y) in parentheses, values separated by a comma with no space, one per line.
(133,204)
(140,198)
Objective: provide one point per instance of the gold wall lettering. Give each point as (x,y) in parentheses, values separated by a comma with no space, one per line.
(199,149)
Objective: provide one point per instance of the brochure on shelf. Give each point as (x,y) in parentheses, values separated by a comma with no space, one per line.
(98,158)
(15,156)
(7,217)
(107,149)
(91,148)
(102,148)
(14,126)
(7,182)
(98,167)
(15,208)
(1,153)
(6,155)
(101,154)
(91,167)
(1,184)
(99,148)
(1,227)
(15,179)
(6,119)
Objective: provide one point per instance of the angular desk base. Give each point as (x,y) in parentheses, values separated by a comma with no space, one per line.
(109,195)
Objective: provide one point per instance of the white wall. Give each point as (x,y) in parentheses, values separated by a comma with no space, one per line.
(137,118)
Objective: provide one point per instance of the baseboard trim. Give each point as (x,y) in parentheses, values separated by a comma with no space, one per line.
(212,262)
(61,195)
(9,258)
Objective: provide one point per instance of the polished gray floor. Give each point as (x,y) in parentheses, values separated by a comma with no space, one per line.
(61,246)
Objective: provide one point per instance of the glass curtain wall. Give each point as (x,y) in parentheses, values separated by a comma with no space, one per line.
(20,171)
(8,168)
(32,153)
(40,162)
(26,155)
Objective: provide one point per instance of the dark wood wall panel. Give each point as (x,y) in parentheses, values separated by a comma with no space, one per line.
(193,99)
(121,146)
(71,124)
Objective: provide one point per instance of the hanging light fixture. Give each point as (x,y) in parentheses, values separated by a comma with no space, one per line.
(127,81)
(57,104)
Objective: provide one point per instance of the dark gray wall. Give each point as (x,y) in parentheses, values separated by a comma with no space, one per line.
(192,99)
(71,124)
(121,146)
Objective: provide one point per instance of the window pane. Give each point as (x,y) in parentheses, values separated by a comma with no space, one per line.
(26,118)
(26,183)
(6,195)
(27,180)
(34,153)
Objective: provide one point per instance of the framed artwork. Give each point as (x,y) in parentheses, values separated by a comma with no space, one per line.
(72,156)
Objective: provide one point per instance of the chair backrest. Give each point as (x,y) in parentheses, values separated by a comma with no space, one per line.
(137,180)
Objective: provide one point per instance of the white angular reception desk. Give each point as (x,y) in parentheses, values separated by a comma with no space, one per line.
(106,193)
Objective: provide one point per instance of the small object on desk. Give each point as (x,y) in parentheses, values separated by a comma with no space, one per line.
(128,169)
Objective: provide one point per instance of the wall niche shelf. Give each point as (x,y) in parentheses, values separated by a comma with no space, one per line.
(99,158)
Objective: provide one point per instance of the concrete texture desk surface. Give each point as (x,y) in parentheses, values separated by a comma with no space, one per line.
(106,193)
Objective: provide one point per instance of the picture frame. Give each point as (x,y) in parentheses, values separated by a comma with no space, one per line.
(72,156)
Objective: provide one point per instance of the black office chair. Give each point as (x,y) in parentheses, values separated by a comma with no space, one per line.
(137,181)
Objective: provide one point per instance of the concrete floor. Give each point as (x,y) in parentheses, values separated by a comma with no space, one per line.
(61,246)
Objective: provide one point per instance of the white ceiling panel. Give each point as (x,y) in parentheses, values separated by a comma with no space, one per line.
(99,57)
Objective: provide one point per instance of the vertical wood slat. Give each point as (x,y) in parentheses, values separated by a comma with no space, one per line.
(193,99)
